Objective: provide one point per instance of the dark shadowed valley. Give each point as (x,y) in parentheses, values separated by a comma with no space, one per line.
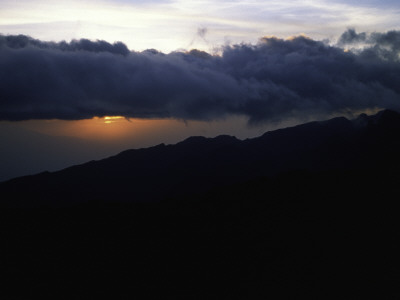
(304,212)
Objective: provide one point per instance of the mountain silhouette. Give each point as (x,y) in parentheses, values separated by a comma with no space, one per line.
(198,164)
(307,212)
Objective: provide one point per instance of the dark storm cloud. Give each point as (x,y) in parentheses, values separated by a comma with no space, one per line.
(352,37)
(269,81)
(389,39)
(23,41)
(384,45)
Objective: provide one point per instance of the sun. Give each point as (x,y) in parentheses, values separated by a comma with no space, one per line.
(112,119)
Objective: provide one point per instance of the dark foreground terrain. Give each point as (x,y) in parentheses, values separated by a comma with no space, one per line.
(307,212)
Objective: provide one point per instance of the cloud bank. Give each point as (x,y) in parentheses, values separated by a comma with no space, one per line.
(269,81)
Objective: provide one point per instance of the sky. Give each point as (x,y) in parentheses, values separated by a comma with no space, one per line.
(170,25)
(82,80)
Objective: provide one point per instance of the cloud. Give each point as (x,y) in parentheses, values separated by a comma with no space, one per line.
(270,81)
(352,37)
(202,32)
(23,41)
(385,45)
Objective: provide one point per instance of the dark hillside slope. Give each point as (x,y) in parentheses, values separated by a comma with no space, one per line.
(198,164)
(309,212)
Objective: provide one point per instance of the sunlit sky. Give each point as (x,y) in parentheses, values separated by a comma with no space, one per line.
(169,25)
(166,25)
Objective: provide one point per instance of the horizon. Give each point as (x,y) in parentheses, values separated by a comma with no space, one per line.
(87,148)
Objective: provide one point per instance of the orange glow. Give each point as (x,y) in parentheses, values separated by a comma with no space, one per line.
(292,37)
(108,128)
(137,133)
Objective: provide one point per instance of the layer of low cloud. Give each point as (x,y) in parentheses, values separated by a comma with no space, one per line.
(270,81)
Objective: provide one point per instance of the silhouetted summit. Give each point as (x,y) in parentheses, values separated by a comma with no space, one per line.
(198,164)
